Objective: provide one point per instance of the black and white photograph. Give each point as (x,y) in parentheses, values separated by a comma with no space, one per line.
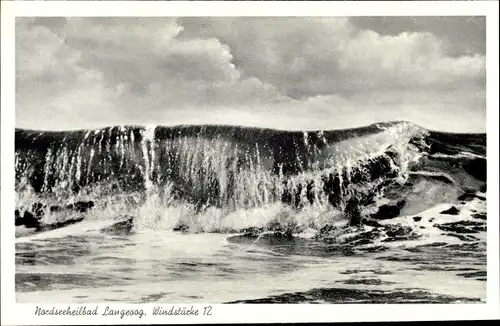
(243,160)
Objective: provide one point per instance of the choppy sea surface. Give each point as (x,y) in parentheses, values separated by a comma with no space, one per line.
(389,213)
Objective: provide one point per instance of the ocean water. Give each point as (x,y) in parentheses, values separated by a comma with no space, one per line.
(389,213)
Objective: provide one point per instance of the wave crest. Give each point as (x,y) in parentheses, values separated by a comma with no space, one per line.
(219,178)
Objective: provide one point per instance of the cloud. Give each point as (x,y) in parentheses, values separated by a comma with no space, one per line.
(296,55)
(324,56)
(406,60)
(460,35)
(275,72)
(122,69)
(51,83)
(139,53)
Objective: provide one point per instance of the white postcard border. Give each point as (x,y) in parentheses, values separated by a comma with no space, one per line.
(12,313)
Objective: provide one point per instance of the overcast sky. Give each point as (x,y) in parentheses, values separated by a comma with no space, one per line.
(287,73)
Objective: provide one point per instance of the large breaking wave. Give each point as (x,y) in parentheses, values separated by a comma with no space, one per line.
(229,179)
